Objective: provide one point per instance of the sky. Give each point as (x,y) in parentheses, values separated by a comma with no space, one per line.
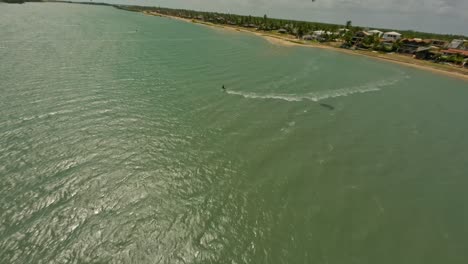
(438,16)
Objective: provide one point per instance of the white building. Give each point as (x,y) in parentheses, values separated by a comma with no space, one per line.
(318,33)
(375,32)
(391,36)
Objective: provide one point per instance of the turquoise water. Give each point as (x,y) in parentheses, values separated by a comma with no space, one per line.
(117,145)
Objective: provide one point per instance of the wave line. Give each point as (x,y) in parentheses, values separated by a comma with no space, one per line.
(319,95)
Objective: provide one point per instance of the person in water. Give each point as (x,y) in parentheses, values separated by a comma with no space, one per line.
(224,88)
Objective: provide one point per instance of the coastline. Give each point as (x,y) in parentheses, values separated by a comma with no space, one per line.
(285,41)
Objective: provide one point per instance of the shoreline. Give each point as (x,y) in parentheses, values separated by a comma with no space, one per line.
(285,41)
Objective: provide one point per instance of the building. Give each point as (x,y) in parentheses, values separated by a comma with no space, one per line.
(342,31)
(461,53)
(410,46)
(359,37)
(439,43)
(427,53)
(391,36)
(456,44)
(320,35)
(455,56)
(375,32)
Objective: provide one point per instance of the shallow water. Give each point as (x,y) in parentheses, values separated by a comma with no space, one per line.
(118,145)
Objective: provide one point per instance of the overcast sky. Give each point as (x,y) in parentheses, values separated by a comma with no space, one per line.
(441,16)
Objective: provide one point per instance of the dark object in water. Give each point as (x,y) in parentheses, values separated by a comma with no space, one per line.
(329,107)
(224,88)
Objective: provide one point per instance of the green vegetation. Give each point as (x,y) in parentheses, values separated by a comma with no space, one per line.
(456,59)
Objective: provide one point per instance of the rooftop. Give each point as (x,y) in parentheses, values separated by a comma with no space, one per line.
(456,51)
(392,33)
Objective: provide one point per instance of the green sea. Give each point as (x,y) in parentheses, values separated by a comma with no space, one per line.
(118,145)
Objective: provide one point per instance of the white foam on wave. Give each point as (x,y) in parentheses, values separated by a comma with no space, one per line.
(125,80)
(286,97)
(320,95)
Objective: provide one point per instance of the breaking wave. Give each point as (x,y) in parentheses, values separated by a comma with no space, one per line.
(320,95)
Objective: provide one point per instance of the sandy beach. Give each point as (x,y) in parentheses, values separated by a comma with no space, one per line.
(287,41)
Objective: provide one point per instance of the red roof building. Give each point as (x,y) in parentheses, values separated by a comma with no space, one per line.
(463,53)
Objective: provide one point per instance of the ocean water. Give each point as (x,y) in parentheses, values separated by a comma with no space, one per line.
(118,145)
